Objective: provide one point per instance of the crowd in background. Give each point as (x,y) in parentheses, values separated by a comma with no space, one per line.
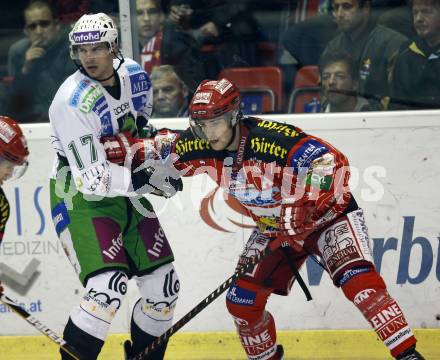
(369,55)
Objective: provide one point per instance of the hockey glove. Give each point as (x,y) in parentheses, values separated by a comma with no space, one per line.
(157,180)
(123,149)
(296,222)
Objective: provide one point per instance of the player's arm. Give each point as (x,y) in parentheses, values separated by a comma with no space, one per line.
(154,155)
(75,136)
(315,187)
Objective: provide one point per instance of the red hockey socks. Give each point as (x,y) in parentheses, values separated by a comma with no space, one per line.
(259,340)
(368,292)
(255,326)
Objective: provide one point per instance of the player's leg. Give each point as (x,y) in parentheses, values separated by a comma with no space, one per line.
(157,280)
(346,252)
(153,312)
(246,299)
(90,321)
(90,233)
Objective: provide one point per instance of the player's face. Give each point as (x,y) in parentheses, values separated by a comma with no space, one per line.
(40,27)
(168,95)
(97,59)
(336,76)
(217,131)
(426,17)
(149,18)
(6,170)
(348,15)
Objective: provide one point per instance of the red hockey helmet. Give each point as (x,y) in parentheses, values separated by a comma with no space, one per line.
(13,146)
(212,99)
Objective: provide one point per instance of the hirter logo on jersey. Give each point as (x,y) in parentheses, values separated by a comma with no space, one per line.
(87,37)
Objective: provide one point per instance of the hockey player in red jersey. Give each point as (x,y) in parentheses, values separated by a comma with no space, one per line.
(13,163)
(295,186)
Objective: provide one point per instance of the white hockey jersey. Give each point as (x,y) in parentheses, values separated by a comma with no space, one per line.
(82,111)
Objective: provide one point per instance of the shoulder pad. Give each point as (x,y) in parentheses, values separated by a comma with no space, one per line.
(271,141)
(85,95)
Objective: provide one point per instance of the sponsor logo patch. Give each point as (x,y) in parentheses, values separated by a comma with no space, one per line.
(186,146)
(279,128)
(139,83)
(222,86)
(240,296)
(7,133)
(309,151)
(262,146)
(133,68)
(74,99)
(87,37)
(202,98)
(90,98)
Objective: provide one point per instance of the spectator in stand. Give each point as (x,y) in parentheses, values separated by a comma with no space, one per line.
(339,82)
(150,18)
(170,94)
(226,27)
(373,47)
(415,80)
(68,11)
(306,40)
(38,63)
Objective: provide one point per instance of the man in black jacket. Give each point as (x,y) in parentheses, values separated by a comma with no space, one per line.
(38,63)
(373,48)
(415,82)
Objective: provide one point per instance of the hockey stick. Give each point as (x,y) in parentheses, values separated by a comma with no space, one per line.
(41,327)
(201,305)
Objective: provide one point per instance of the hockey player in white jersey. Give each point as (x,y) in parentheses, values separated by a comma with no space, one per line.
(107,228)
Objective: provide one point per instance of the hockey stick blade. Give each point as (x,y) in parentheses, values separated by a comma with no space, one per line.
(41,327)
(204,303)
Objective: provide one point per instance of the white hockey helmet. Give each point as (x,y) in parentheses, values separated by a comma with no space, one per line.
(92,29)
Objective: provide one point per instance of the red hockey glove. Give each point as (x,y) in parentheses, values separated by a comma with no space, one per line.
(296,222)
(123,149)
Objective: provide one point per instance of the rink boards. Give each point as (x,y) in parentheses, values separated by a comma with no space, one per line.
(395,159)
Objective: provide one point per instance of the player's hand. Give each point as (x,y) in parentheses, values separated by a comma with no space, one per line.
(33,53)
(209,29)
(296,222)
(296,242)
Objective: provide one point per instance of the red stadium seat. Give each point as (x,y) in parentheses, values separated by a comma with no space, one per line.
(261,87)
(305,94)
